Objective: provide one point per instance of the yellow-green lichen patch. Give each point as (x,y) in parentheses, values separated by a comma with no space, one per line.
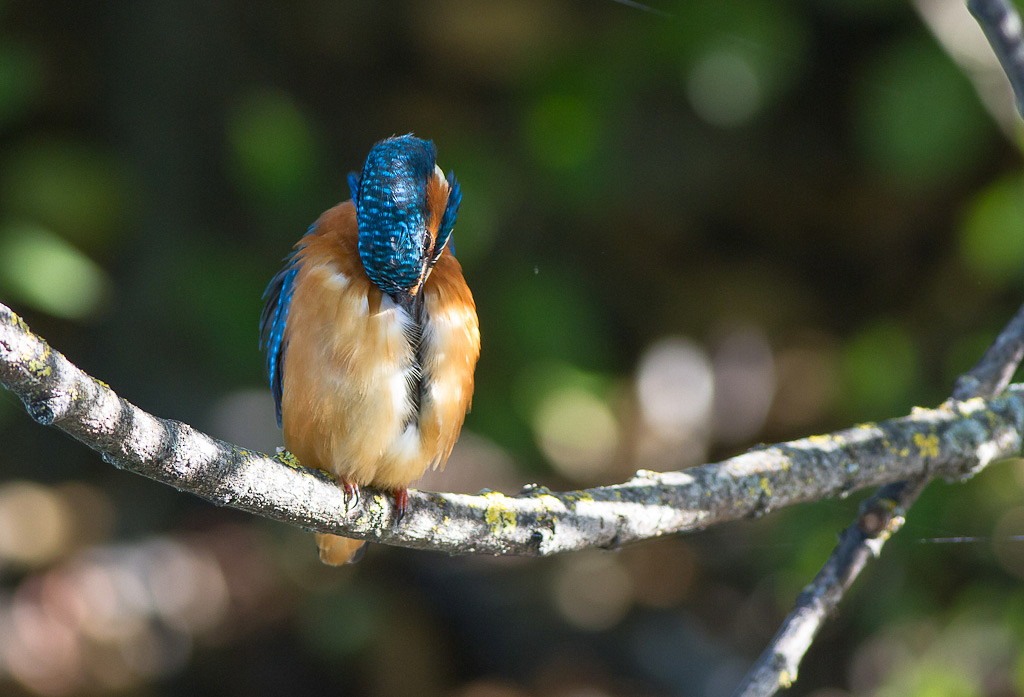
(499,515)
(766,487)
(574,497)
(927,445)
(19,322)
(550,505)
(38,368)
(901,452)
(38,365)
(287,458)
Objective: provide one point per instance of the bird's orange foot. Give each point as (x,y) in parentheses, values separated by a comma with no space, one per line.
(351,493)
(401,503)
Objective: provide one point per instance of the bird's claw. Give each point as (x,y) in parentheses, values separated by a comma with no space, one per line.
(401,504)
(351,493)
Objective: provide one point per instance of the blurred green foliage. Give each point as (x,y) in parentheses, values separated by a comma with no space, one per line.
(821,174)
(918,119)
(992,243)
(273,147)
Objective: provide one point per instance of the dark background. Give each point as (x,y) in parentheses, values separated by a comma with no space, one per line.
(687,233)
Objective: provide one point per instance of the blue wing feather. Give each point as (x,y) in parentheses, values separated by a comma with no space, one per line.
(451,212)
(353,186)
(273,320)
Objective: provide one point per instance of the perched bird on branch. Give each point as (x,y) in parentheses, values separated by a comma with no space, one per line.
(371,332)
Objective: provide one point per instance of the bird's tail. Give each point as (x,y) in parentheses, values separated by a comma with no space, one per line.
(336,550)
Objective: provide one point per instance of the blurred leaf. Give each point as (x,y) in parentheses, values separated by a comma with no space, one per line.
(74,188)
(991,238)
(562,131)
(879,369)
(931,680)
(42,270)
(917,119)
(273,148)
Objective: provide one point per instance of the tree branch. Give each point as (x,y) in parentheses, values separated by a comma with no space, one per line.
(1002,26)
(880,517)
(954,440)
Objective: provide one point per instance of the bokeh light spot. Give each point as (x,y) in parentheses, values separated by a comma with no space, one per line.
(724,88)
(34,524)
(577,431)
(675,386)
(44,271)
(744,384)
(592,590)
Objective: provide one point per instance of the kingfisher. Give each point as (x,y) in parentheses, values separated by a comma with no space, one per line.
(371,333)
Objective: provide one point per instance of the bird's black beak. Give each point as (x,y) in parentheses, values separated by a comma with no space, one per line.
(411,302)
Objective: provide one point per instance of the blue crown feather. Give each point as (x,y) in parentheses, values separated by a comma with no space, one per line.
(392,213)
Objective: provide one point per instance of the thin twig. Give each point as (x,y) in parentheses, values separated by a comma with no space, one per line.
(995,369)
(1002,26)
(880,517)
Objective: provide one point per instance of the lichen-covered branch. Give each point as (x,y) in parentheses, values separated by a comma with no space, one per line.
(954,440)
(881,516)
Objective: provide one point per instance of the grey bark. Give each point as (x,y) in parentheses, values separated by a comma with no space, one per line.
(954,441)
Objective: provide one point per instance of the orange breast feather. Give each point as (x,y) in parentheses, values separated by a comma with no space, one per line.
(346,405)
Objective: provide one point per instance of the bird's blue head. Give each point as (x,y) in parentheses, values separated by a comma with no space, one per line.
(403,222)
